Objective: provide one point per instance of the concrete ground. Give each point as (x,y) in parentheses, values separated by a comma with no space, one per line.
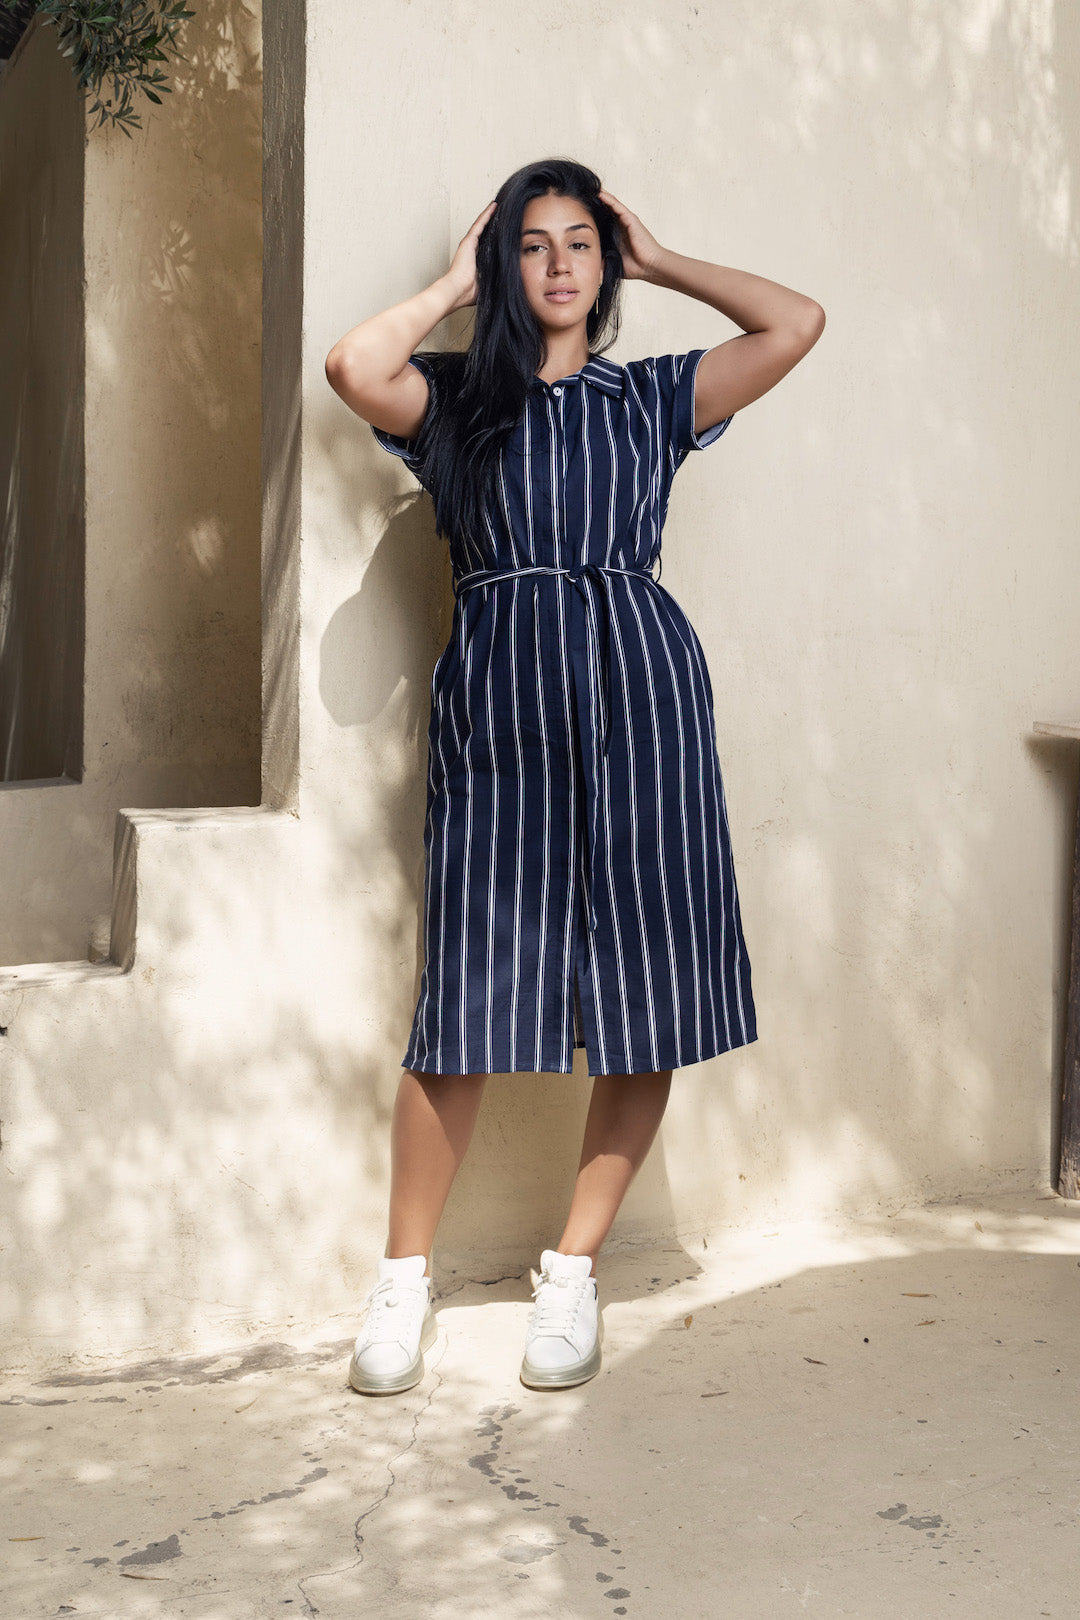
(878,1418)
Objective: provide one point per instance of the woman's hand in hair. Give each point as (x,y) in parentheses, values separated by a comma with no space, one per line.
(462,271)
(639,248)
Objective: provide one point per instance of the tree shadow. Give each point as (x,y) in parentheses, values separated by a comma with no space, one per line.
(172,242)
(899,1424)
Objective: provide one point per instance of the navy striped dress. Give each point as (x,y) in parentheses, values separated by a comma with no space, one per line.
(579,887)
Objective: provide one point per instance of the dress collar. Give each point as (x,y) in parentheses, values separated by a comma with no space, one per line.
(602,374)
(605,375)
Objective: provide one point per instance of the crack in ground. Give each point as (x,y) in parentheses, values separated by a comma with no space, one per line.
(478,1282)
(310,1607)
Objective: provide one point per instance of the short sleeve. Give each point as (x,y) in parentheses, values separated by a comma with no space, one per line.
(409,449)
(676,375)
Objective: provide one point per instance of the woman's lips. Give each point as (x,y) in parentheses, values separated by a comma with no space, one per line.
(562,295)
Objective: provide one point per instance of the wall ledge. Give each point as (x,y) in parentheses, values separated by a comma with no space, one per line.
(130,825)
(31,974)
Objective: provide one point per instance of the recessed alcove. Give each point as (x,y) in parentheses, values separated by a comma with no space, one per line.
(130,319)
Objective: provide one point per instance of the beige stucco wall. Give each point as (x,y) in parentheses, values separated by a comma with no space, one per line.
(879,560)
(168,408)
(877,556)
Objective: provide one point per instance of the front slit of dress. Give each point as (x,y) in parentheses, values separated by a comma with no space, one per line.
(585,1033)
(579,1034)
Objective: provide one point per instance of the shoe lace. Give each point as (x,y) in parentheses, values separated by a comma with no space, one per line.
(384,1307)
(557,1302)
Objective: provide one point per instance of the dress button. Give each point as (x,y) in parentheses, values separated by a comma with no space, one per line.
(557,392)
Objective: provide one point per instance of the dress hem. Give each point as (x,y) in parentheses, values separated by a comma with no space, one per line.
(613,1067)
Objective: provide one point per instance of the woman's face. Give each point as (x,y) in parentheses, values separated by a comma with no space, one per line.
(562,265)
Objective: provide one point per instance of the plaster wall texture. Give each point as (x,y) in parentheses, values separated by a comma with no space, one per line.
(163,261)
(875,556)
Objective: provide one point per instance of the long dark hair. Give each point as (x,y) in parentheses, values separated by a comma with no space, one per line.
(480,394)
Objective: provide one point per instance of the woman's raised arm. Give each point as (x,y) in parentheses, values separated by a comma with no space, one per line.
(369,367)
(779,326)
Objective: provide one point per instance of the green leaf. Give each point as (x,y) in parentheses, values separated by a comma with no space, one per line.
(116,40)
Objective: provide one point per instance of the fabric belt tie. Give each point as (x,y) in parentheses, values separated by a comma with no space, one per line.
(599,665)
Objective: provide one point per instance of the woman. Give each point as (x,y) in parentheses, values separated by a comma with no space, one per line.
(579,889)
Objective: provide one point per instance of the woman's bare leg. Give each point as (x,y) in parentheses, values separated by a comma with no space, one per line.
(624,1116)
(434,1116)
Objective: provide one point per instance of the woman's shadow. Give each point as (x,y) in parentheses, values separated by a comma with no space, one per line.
(393,628)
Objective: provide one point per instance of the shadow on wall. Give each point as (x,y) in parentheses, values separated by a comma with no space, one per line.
(393,628)
(216,1146)
(216,1160)
(904,1041)
(908,983)
(180,345)
(892,893)
(171,227)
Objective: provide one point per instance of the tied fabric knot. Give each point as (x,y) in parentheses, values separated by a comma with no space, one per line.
(599,646)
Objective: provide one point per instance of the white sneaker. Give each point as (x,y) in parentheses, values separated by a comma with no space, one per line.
(400,1325)
(565,1330)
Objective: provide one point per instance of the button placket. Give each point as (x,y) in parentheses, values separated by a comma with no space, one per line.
(562,466)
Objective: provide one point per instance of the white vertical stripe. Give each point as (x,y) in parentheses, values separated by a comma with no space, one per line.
(586,479)
(527,484)
(553,475)
(508,524)
(613,467)
(606,860)
(558,504)
(493,842)
(640,496)
(603,1059)
(545,881)
(437,730)
(463,951)
(699,770)
(662,830)
(662,634)
(519,850)
(635,843)
(729,911)
(569,914)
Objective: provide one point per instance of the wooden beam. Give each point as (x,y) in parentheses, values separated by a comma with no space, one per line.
(1069,1164)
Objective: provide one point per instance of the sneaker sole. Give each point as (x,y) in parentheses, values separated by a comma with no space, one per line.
(366,1383)
(564,1377)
